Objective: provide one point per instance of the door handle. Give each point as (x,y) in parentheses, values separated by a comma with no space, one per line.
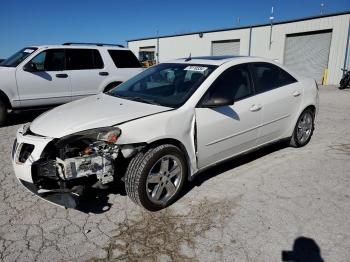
(103,73)
(61,75)
(296,93)
(255,107)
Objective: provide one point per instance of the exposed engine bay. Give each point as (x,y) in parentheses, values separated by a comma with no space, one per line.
(79,161)
(95,163)
(98,161)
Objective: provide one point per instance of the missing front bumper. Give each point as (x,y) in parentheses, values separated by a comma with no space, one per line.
(62,199)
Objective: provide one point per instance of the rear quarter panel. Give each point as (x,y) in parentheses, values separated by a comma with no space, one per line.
(310,97)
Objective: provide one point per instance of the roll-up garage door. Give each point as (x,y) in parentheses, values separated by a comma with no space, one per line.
(227,47)
(308,53)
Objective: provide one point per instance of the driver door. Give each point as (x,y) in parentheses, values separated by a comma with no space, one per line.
(223,132)
(44,80)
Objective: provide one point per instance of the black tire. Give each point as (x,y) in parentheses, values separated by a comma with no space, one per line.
(110,86)
(139,168)
(344,83)
(295,141)
(3,112)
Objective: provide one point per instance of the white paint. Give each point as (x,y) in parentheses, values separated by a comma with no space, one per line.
(221,133)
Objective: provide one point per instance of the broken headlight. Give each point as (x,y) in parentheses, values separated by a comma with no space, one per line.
(108,135)
(85,154)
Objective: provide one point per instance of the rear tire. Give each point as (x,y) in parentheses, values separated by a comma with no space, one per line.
(344,83)
(154,178)
(303,129)
(3,112)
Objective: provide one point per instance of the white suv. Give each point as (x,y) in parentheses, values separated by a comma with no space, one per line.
(56,74)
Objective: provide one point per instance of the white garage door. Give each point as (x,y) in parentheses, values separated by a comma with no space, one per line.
(227,47)
(308,53)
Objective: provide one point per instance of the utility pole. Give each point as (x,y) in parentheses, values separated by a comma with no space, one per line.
(322,8)
(157,54)
(271,25)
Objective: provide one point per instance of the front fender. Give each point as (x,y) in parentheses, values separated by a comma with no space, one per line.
(175,124)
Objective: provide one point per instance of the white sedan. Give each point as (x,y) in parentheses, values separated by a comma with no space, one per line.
(162,127)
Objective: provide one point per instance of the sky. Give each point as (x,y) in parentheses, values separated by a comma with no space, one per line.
(24,23)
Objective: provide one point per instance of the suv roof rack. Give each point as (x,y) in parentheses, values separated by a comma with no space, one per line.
(97,44)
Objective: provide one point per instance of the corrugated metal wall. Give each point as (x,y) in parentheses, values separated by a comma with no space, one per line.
(307,54)
(228,47)
(201,44)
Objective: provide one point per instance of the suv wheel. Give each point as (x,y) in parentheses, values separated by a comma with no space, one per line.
(304,129)
(155,178)
(3,112)
(111,86)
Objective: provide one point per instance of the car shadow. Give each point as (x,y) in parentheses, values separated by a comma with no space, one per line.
(304,250)
(230,164)
(22,117)
(96,201)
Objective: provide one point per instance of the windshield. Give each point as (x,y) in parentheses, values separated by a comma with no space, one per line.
(18,57)
(164,84)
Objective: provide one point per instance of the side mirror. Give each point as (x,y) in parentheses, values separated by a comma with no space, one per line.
(218,102)
(30,67)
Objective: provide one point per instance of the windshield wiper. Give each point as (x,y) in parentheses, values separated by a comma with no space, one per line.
(141,99)
(137,98)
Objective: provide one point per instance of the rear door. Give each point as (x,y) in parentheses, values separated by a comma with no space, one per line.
(85,67)
(280,95)
(47,83)
(229,130)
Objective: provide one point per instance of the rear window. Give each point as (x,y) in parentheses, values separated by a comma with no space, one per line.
(124,59)
(80,59)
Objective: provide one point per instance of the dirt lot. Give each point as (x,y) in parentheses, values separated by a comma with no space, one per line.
(250,209)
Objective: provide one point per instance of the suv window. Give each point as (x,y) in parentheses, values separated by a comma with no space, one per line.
(124,59)
(49,60)
(268,76)
(80,59)
(234,82)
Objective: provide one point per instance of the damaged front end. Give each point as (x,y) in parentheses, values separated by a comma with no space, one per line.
(70,165)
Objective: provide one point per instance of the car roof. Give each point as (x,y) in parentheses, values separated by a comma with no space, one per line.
(91,46)
(218,60)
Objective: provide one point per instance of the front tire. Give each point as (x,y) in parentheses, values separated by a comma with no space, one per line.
(3,112)
(154,178)
(304,129)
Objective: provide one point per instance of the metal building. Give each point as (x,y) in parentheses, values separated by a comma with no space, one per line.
(317,47)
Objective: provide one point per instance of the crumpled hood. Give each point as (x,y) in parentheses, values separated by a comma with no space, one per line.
(92,112)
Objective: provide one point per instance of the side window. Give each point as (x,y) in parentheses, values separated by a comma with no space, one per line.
(82,59)
(234,82)
(98,62)
(124,59)
(49,60)
(285,78)
(268,76)
(39,61)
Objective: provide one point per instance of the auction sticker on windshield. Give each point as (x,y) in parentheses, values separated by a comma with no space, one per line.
(28,51)
(196,68)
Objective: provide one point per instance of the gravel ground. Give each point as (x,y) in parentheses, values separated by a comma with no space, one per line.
(250,209)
